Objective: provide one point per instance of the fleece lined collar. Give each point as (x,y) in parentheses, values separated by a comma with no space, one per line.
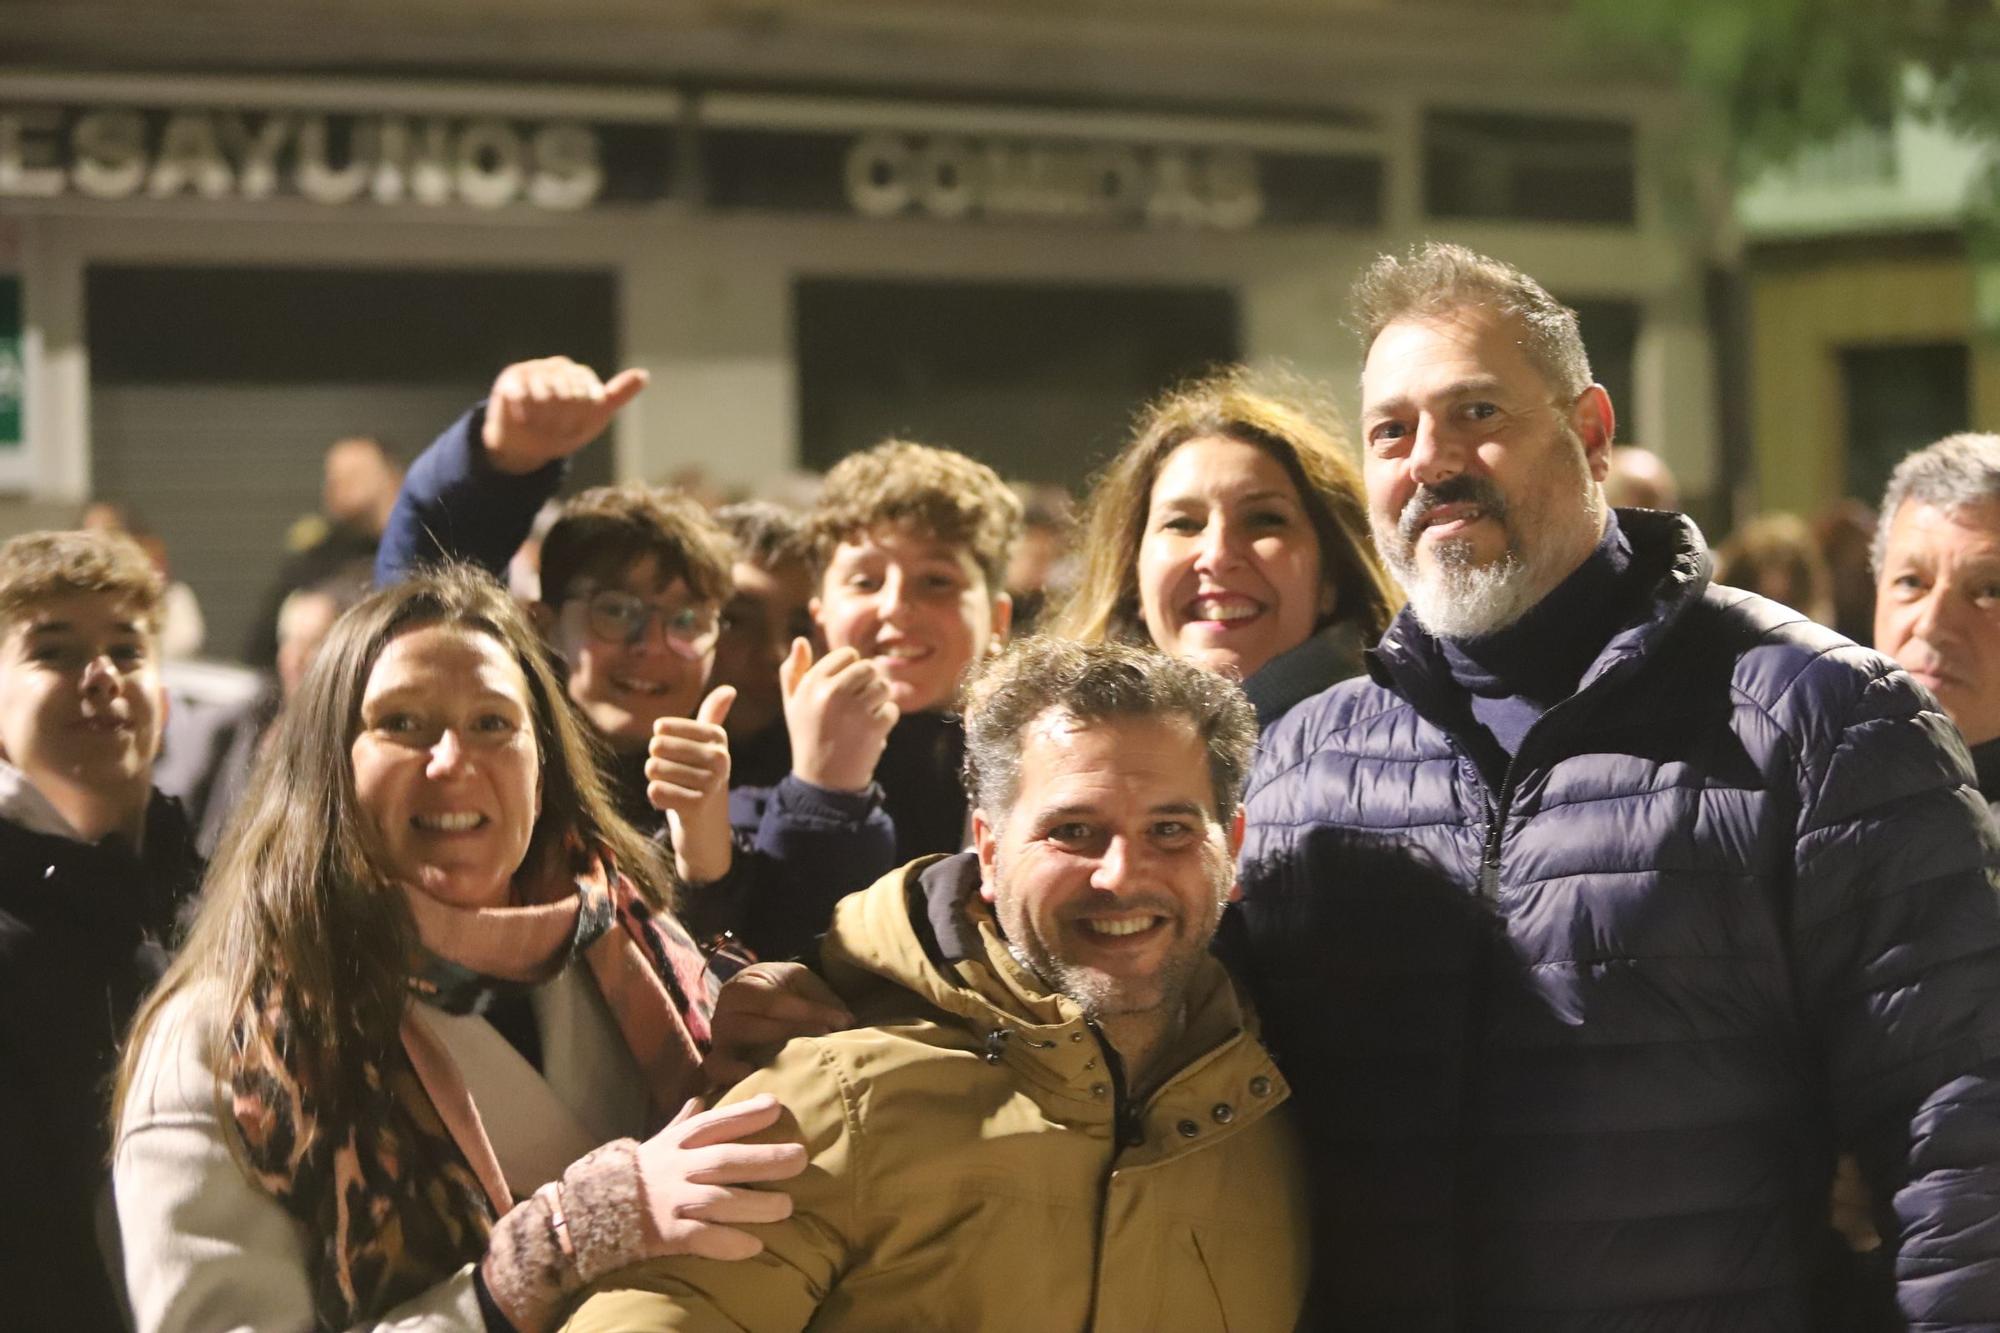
(23,805)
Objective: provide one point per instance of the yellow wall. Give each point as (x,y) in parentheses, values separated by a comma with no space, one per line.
(1800,319)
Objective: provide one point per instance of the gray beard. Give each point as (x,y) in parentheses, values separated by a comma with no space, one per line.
(1458,600)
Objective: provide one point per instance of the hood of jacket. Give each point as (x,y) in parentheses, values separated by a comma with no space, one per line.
(22,804)
(48,871)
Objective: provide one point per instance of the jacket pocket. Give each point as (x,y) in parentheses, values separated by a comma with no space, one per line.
(1252,1278)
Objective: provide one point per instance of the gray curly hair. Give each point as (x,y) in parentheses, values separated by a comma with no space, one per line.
(1957,471)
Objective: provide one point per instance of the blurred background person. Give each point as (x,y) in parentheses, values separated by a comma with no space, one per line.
(1845,531)
(769,606)
(1041,570)
(1232,530)
(524,569)
(1775,556)
(1937,595)
(403,1068)
(304,621)
(358,492)
(182,629)
(219,713)
(1640,479)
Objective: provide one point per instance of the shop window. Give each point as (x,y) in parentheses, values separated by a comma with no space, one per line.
(1511,168)
(1900,398)
(1038,381)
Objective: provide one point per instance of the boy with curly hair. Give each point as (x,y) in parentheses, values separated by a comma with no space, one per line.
(912,544)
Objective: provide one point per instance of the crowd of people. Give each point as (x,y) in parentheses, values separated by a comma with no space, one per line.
(1388,886)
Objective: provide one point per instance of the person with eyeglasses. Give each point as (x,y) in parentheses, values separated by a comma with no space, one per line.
(633,580)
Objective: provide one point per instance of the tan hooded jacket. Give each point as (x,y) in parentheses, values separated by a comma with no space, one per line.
(966,1166)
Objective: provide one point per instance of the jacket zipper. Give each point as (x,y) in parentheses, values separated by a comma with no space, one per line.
(1499,804)
(1125,1133)
(1496,823)
(1124,1116)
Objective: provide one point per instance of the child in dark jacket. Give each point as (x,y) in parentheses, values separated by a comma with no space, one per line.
(94,867)
(912,544)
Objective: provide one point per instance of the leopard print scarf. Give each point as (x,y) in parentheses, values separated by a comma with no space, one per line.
(401,1193)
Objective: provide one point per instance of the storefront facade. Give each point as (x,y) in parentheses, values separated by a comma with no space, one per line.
(751,247)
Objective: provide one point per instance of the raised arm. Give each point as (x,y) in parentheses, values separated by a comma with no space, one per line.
(472,495)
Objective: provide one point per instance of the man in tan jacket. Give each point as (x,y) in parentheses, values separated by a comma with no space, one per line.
(1056,1114)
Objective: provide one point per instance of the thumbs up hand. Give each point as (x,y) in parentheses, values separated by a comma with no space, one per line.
(839,713)
(539,411)
(687,777)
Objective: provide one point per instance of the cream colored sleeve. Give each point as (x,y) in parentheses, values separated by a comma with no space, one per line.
(207,1250)
(778,1290)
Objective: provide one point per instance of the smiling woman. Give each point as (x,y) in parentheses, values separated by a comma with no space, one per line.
(448,775)
(431,1020)
(1232,531)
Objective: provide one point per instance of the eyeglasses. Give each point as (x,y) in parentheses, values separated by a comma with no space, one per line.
(622,617)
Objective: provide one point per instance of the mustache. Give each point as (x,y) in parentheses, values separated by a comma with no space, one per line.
(1464,488)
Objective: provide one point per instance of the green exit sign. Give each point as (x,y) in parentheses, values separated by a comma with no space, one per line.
(13,373)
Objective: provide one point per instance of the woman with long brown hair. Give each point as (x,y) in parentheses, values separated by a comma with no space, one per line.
(432,1001)
(1233,530)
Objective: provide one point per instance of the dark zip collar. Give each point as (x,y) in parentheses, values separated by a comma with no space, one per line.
(1669,559)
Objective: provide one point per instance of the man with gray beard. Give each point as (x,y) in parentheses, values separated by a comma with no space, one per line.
(1611,907)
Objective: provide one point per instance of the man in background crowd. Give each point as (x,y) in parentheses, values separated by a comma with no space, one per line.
(356,497)
(1845,531)
(1776,556)
(1937,593)
(220,713)
(1041,569)
(1640,479)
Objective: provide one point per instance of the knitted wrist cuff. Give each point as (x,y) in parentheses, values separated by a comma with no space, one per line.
(529,1270)
(609,1222)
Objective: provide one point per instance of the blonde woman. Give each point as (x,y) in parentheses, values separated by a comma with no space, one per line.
(1232,530)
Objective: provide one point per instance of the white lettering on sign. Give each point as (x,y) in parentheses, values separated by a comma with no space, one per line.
(111,153)
(31,153)
(190,155)
(952,177)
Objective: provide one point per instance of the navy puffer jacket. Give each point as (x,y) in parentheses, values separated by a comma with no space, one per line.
(1580,1053)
